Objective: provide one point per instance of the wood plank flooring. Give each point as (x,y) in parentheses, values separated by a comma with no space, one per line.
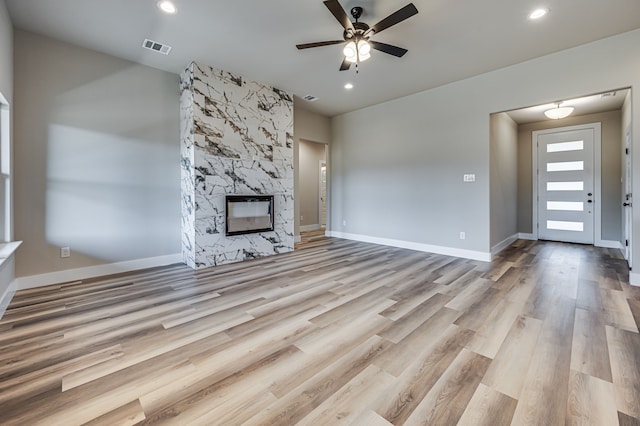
(338,332)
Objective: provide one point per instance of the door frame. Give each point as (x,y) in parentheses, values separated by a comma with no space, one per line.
(597,183)
(627,176)
(320,164)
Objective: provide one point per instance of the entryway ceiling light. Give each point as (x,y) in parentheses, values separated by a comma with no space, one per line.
(558,112)
(538,13)
(167,7)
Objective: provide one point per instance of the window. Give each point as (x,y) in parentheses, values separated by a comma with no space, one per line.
(6,228)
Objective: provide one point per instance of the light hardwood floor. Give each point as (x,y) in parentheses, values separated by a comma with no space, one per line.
(338,332)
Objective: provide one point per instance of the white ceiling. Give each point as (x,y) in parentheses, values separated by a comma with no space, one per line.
(447,40)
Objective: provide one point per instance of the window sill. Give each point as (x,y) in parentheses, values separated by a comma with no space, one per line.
(7,250)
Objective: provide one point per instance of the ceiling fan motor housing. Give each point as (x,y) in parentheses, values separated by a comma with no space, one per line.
(360,29)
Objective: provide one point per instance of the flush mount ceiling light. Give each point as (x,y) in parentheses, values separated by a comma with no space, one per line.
(167,7)
(538,13)
(348,86)
(558,112)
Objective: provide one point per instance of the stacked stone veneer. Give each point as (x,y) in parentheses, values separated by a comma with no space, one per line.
(236,138)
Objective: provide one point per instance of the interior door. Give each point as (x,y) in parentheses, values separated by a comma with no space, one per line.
(565,186)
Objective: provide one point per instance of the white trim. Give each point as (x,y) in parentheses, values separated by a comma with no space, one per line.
(322,163)
(5,299)
(297,239)
(610,244)
(447,251)
(597,170)
(503,244)
(7,250)
(634,279)
(525,236)
(68,275)
(313,227)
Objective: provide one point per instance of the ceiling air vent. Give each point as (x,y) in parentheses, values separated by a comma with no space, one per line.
(156,47)
(607,94)
(310,98)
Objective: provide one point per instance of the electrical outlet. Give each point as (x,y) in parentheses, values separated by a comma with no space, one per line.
(463,235)
(65,252)
(301,217)
(471,177)
(344,223)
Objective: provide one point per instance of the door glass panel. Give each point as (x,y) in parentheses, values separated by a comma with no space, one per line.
(561,225)
(565,186)
(565,166)
(565,146)
(577,206)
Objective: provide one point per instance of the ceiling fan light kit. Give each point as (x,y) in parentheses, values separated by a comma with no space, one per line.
(357,35)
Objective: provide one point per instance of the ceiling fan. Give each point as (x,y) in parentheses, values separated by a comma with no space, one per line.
(357,34)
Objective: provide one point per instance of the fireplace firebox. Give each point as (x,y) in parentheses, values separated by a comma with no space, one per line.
(248,214)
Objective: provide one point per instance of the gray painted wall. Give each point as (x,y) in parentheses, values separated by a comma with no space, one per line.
(503,141)
(397,167)
(97,157)
(610,170)
(311,154)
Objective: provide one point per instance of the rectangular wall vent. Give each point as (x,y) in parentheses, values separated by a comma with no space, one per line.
(310,98)
(156,47)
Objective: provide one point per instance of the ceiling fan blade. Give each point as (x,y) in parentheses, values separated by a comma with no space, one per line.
(388,48)
(337,11)
(345,65)
(318,44)
(398,16)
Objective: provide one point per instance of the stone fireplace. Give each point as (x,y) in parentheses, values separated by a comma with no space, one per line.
(236,140)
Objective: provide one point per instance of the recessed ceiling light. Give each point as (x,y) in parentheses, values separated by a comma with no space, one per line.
(538,13)
(348,86)
(167,7)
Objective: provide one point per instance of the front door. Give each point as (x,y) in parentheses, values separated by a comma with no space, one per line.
(565,186)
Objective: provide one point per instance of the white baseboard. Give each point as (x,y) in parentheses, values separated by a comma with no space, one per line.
(503,244)
(6,297)
(609,244)
(447,251)
(58,277)
(525,236)
(314,227)
(634,279)
(297,239)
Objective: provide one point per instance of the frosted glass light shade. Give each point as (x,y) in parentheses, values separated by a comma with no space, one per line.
(359,52)
(349,51)
(559,112)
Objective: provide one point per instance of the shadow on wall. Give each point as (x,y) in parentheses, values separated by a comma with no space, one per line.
(112,169)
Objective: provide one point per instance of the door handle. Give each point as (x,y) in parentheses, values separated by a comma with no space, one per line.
(589,201)
(589,194)
(626,204)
